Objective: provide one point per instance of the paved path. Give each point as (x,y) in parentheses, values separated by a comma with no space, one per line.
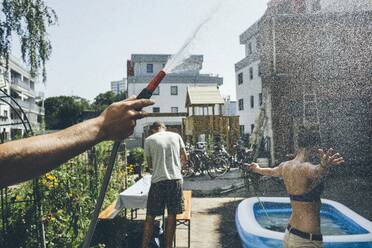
(212,224)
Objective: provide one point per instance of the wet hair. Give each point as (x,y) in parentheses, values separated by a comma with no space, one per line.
(156,125)
(308,136)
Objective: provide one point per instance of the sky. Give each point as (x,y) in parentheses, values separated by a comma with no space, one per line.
(94,39)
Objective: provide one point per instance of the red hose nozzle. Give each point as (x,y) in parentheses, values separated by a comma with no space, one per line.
(156,81)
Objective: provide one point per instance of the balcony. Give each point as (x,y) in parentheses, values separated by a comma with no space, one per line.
(29,106)
(21,86)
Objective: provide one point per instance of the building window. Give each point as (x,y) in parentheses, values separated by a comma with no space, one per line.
(241,104)
(250,48)
(156,91)
(241,129)
(250,73)
(174,90)
(260,98)
(163,65)
(149,68)
(252,101)
(240,78)
(156,110)
(174,109)
(252,128)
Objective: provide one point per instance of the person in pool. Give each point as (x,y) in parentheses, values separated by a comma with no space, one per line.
(304,183)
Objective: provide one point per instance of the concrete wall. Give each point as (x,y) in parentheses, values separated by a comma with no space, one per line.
(326,54)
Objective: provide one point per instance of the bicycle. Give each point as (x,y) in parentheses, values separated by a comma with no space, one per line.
(200,162)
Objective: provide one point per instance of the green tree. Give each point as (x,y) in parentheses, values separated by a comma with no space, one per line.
(28,19)
(64,111)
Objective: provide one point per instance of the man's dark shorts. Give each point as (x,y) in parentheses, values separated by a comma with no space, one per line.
(163,194)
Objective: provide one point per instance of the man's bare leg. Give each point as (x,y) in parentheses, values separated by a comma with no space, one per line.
(147,231)
(169,230)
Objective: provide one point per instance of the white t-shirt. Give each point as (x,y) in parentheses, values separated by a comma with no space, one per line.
(164,150)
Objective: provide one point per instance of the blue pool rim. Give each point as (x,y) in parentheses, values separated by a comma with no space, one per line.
(251,232)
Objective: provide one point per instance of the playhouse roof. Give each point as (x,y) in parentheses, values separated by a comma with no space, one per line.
(203,95)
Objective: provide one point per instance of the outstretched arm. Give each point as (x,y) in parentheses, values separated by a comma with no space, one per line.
(24,159)
(327,160)
(272,172)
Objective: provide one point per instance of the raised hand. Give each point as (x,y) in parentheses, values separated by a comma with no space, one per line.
(329,158)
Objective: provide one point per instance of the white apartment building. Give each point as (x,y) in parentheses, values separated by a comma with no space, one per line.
(119,86)
(248,80)
(18,83)
(170,96)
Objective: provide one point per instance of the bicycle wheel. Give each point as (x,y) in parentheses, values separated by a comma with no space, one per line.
(196,162)
(217,167)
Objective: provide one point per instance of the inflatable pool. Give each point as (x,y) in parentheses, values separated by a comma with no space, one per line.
(341,227)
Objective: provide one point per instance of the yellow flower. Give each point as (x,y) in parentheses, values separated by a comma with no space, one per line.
(19,198)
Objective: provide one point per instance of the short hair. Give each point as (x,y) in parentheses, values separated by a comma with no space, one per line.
(308,136)
(156,125)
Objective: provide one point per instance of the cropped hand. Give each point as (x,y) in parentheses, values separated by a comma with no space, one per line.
(327,158)
(119,119)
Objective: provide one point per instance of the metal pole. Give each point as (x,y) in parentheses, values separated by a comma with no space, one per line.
(2,219)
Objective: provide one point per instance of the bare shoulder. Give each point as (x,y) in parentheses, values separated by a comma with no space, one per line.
(284,164)
(294,165)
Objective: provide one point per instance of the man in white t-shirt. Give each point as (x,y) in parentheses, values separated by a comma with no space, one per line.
(165,153)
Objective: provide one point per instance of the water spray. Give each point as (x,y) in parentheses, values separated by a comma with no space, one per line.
(146,93)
